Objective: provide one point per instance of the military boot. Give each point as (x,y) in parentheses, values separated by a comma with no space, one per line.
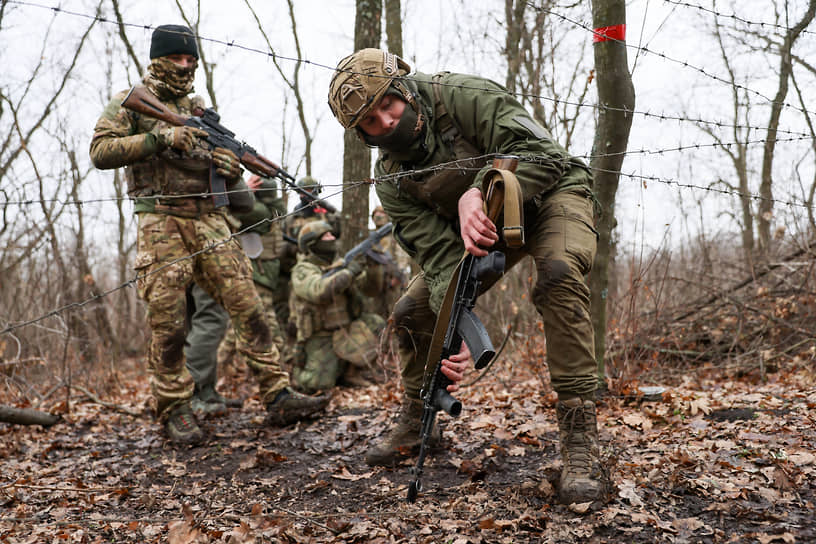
(290,406)
(581,477)
(181,426)
(206,402)
(402,441)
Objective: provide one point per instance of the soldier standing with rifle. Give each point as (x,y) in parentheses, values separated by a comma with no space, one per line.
(422,121)
(184,237)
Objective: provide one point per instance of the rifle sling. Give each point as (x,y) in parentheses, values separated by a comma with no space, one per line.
(499,185)
(504,195)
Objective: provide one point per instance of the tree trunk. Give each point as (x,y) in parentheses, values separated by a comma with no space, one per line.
(765,187)
(616,98)
(356,156)
(393,26)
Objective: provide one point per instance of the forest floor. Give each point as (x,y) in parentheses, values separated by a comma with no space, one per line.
(716,458)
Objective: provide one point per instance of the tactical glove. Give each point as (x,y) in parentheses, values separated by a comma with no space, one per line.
(355,268)
(227,164)
(181,138)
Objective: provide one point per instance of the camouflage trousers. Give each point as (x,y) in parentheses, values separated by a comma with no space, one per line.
(326,355)
(561,239)
(173,252)
(227,350)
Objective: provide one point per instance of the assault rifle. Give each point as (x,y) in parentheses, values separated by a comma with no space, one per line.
(366,246)
(141,100)
(462,325)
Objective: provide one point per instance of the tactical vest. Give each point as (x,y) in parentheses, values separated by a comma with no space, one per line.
(442,188)
(170,172)
(311,318)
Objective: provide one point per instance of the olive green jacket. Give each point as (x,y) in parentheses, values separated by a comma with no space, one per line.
(486,120)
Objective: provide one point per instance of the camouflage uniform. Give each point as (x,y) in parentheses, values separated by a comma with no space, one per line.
(181,240)
(261,231)
(395,269)
(336,338)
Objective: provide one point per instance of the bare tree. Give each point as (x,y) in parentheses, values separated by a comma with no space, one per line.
(356,156)
(546,67)
(616,100)
(393,26)
(292,81)
(785,71)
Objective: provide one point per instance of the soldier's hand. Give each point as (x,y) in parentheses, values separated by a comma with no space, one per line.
(354,267)
(181,138)
(226,163)
(454,367)
(477,230)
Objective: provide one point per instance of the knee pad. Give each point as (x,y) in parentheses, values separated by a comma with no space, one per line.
(403,312)
(550,272)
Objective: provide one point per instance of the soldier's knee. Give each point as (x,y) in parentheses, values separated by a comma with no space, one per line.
(259,331)
(550,273)
(403,312)
(172,347)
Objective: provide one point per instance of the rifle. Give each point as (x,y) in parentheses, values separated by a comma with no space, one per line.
(365,247)
(141,100)
(462,325)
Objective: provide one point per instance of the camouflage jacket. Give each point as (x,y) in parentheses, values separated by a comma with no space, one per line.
(264,221)
(123,138)
(468,117)
(320,301)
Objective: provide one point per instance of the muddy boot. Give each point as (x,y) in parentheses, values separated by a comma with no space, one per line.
(290,406)
(181,426)
(581,477)
(206,402)
(402,441)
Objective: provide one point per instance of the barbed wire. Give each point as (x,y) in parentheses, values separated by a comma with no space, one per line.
(735,17)
(462,164)
(683,63)
(459,165)
(647,114)
(103,294)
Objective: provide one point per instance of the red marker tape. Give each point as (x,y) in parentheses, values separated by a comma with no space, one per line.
(606,33)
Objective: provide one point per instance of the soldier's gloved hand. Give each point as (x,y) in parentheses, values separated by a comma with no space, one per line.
(227,164)
(181,138)
(354,267)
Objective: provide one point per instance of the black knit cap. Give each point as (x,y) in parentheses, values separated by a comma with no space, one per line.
(172,40)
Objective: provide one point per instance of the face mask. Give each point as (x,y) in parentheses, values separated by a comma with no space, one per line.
(326,250)
(170,79)
(403,134)
(379,220)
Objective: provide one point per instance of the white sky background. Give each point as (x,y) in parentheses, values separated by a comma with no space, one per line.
(438,34)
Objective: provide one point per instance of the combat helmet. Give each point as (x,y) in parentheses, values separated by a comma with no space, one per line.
(361,79)
(310,184)
(311,233)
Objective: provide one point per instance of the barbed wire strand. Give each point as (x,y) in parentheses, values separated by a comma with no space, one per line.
(383,179)
(683,63)
(735,17)
(460,164)
(103,294)
(555,101)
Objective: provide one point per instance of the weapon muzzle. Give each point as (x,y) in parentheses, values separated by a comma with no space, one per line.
(445,401)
